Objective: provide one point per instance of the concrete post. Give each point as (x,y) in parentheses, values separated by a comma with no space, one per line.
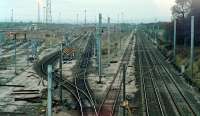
(49,99)
(192,44)
(174,52)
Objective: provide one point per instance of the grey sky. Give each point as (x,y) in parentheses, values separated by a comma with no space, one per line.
(133,10)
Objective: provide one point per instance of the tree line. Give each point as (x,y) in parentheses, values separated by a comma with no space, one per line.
(182,12)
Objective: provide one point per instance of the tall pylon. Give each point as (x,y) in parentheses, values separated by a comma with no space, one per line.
(48,12)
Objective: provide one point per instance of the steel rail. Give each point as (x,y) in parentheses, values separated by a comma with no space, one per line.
(154,85)
(190,109)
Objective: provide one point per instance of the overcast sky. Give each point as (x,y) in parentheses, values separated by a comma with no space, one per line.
(132,10)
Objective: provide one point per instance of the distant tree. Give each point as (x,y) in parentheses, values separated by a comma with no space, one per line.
(182,8)
(195,7)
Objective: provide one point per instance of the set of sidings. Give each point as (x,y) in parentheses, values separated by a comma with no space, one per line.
(80,80)
(73,88)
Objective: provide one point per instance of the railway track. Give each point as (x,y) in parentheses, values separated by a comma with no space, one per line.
(73,88)
(80,80)
(172,99)
(182,105)
(111,102)
(151,97)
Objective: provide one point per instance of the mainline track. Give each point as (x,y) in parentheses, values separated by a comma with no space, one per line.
(171,99)
(152,100)
(183,108)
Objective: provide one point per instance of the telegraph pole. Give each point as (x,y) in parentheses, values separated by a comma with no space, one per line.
(124,87)
(61,59)
(77,18)
(59,17)
(192,44)
(38,1)
(174,41)
(109,55)
(15,54)
(12,17)
(48,11)
(153,33)
(121,21)
(85,17)
(44,14)
(118,22)
(27,49)
(157,35)
(99,46)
